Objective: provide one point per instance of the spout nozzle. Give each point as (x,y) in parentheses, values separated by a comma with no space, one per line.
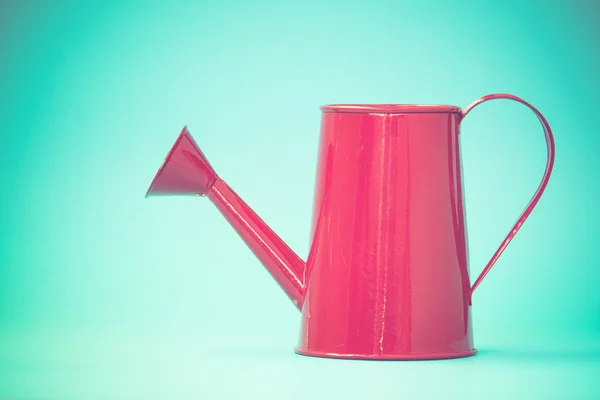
(185,170)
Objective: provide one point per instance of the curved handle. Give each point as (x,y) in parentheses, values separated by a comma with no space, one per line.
(538,192)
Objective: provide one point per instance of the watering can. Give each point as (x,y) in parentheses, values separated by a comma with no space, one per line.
(387,273)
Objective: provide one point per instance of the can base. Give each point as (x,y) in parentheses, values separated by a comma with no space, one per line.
(390,357)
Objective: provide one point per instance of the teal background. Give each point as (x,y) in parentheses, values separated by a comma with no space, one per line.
(107,295)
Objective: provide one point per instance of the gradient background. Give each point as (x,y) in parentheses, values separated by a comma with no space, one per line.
(106,295)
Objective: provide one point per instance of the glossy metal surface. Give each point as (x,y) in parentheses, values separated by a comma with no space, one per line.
(387,274)
(388,267)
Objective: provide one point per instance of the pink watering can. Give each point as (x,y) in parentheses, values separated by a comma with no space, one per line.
(387,275)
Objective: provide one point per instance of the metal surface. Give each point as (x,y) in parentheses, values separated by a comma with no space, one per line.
(387,274)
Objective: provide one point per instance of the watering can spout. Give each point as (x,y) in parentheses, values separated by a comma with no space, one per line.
(186,171)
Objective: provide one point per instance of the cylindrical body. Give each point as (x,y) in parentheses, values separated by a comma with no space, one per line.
(387,274)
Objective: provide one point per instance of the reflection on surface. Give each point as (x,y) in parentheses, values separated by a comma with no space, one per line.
(181,367)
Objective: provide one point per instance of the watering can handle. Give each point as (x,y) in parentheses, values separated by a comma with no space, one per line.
(538,192)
